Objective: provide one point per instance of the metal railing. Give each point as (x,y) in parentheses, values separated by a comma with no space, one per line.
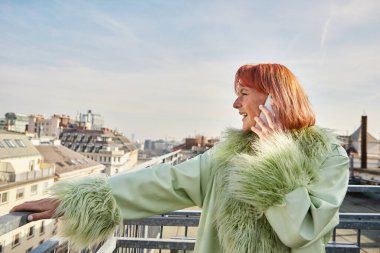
(359,221)
(171,158)
(134,235)
(12,177)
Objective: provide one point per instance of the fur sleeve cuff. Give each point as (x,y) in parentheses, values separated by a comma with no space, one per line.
(278,167)
(89,211)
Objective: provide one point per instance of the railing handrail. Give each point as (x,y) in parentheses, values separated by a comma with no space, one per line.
(359,224)
(165,221)
(185,213)
(366,188)
(154,160)
(12,221)
(359,216)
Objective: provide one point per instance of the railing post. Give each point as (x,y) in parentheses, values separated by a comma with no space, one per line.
(358,237)
(334,235)
(186,229)
(161,231)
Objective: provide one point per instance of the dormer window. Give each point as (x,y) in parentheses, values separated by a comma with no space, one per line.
(20,143)
(9,143)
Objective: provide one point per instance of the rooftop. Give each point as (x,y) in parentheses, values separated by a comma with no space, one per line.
(15,145)
(65,159)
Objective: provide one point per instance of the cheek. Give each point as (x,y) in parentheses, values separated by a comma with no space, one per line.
(251,104)
(253,110)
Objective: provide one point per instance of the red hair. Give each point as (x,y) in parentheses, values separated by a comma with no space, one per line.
(294,108)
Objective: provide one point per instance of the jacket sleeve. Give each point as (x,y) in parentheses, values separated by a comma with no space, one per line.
(162,188)
(311,212)
(92,207)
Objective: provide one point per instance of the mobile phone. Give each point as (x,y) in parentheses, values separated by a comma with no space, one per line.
(268,105)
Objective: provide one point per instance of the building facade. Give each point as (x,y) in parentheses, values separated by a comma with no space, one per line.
(39,126)
(2,123)
(23,177)
(112,150)
(16,122)
(90,121)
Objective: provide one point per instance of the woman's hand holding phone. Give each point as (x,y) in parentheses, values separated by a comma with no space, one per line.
(267,106)
(266,123)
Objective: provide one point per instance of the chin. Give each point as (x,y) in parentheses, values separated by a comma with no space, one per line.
(246,128)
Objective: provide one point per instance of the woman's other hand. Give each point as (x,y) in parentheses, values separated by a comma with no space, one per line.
(43,208)
(263,129)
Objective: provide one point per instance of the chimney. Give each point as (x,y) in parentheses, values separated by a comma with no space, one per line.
(364,142)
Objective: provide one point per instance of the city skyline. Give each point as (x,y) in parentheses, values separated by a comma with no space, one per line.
(131,136)
(166,69)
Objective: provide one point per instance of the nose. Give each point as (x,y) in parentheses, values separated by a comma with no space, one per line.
(237,104)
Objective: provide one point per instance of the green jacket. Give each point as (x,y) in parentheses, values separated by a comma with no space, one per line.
(301,210)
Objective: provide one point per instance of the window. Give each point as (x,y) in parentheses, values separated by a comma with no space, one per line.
(16,240)
(42,228)
(9,143)
(71,162)
(1,146)
(60,164)
(31,165)
(20,143)
(46,187)
(29,250)
(1,248)
(3,198)
(74,162)
(34,189)
(20,193)
(41,242)
(30,232)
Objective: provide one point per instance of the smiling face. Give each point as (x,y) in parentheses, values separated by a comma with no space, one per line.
(247,103)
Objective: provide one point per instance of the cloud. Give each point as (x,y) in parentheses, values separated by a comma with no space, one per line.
(325,31)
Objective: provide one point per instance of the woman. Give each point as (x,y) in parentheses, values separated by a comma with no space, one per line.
(274,186)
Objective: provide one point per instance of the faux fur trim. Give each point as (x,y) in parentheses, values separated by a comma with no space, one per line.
(280,165)
(89,211)
(254,174)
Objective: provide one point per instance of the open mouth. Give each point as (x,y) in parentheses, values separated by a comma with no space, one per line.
(243,114)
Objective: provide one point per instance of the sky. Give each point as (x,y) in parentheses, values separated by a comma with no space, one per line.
(165,69)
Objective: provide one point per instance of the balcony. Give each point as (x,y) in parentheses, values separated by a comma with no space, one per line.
(147,233)
(7,178)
